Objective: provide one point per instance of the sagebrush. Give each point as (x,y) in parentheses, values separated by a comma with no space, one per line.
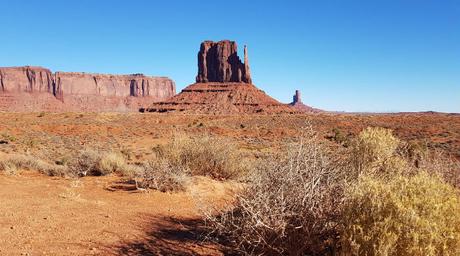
(416,215)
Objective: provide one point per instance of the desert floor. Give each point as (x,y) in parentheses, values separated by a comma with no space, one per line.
(41,215)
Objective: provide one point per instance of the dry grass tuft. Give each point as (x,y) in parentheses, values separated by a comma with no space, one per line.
(89,162)
(111,162)
(204,155)
(14,163)
(162,176)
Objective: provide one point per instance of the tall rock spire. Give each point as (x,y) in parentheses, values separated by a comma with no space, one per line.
(247,72)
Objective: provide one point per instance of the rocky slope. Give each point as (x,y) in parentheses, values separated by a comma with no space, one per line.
(38,89)
(221,98)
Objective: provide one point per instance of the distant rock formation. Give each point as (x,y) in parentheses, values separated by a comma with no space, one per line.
(224,86)
(38,89)
(298,105)
(219,62)
(296,98)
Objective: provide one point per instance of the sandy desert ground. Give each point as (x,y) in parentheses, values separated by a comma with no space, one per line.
(42,215)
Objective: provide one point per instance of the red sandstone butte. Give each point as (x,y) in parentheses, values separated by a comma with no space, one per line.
(223,86)
(38,89)
(219,62)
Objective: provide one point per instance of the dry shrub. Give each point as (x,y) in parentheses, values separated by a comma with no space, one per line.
(159,175)
(376,201)
(416,215)
(89,162)
(374,150)
(288,206)
(86,163)
(377,152)
(112,162)
(204,155)
(9,167)
(438,163)
(13,163)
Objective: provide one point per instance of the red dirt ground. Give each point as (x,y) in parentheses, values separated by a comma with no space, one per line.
(42,215)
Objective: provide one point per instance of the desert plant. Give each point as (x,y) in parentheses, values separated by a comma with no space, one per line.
(204,155)
(374,151)
(111,162)
(86,163)
(16,162)
(8,167)
(439,163)
(338,136)
(288,206)
(415,215)
(157,174)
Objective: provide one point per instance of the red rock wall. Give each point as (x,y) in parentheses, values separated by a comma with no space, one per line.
(219,62)
(26,79)
(78,91)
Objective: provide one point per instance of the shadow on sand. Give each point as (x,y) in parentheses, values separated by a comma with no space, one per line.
(170,236)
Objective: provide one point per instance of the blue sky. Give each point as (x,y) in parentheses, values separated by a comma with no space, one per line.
(370,55)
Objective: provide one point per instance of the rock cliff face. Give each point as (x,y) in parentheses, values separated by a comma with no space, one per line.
(136,85)
(26,79)
(65,91)
(219,62)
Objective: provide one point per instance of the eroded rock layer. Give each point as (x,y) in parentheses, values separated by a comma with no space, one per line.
(38,89)
(221,98)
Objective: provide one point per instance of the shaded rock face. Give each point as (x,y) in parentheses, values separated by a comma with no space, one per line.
(219,62)
(66,91)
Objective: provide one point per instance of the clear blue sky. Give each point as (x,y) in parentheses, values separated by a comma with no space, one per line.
(369,55)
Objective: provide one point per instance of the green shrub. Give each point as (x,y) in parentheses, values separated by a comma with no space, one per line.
(416,215)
